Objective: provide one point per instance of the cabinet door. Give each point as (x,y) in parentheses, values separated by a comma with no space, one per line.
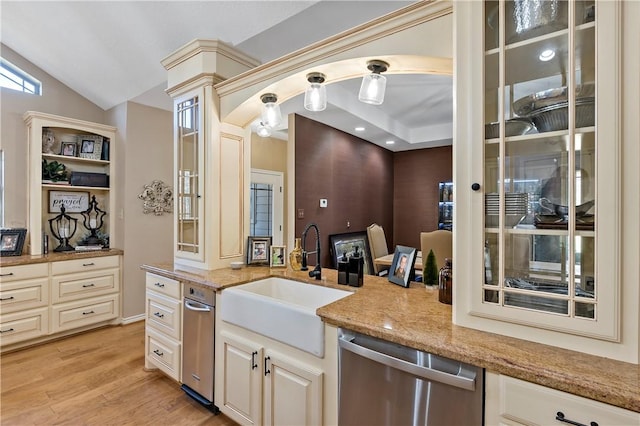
(540,247)
(292,392)
(189,179)
(243,367)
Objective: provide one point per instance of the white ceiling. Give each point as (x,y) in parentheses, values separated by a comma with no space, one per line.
(110,52)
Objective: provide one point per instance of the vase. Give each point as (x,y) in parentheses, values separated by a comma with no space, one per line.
(295,257)
(445,282)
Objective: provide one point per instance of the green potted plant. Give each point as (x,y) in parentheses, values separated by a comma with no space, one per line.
(430,272)
(54,171)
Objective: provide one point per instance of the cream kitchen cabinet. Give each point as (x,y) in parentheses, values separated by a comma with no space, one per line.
(510,401)
(84,292)
(538,223)
(163,332)
(265,386)
(24,303)
(40,301)
(47,135)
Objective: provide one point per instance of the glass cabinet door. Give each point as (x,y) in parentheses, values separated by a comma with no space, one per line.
(540,157)
(188,232)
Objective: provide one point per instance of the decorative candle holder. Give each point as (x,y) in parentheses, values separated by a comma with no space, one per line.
(93,221)
(63,227)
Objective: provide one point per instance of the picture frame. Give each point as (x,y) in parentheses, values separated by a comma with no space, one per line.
(90,146)
(12,241)
(68,149)
(404,260)
(346,243)
(278,257)
(74,201)
(258,250)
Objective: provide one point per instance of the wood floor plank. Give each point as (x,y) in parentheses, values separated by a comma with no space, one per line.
(94,378)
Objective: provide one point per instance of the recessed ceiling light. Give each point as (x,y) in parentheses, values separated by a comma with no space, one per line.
(359,129)
(547,55)
(390,142)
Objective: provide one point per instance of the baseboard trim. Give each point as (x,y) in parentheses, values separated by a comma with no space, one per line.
(135,318)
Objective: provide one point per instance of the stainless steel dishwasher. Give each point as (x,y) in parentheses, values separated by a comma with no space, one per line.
(198,328)
(382,383)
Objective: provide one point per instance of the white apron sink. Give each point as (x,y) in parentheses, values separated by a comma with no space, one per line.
(281,309)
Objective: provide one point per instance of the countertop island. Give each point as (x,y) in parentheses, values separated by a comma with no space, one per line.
(414,317)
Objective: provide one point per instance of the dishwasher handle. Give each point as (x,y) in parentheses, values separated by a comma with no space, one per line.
(195,306)
(467,383)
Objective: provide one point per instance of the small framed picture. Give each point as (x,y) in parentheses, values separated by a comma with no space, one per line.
(402,266)
(68,149)
(277,257)
(12,241)
(258,250)
(90,146)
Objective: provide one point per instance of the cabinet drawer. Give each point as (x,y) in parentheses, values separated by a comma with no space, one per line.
(23,272)
(88,284)
(164,285)
(21,295)
(83,265)
(164,314)
(164,353)
(24,325)
(533,404)
(76,314)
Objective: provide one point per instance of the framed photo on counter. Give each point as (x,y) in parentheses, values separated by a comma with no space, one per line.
(12,241)
(258,250)
(404,260)
(278,258)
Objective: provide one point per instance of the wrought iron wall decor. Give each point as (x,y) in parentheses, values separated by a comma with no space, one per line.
(157,198)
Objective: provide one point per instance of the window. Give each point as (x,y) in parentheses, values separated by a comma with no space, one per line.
(14,78)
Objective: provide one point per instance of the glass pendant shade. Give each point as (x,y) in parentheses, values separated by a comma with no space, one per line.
(374,85)
(271,115)
(372,89)
(263,131)
(315,98)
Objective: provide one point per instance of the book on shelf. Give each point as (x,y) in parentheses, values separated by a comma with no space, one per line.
(89,248)
(58,182)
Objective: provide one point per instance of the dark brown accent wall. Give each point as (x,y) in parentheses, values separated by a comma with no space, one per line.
(355,176)
(416,177)
(363,184)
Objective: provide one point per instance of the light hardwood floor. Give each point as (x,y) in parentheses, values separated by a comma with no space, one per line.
(95,378)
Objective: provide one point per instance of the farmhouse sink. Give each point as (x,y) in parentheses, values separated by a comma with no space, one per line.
(282,309)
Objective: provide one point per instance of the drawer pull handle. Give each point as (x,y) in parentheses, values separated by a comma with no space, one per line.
(88,264)
(158,314)
(560,417)
(6,275)
(6,298)
(254,365)
(157,352)
(6,331)
(88,313)
(88,285)
(159,285)
(266,365)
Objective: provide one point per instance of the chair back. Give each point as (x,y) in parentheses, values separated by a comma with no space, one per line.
(377,245)
(440,241)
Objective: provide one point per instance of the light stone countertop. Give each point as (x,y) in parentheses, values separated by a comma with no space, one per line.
(27,259)
(414,317)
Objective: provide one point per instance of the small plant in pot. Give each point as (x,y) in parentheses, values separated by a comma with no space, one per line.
(54,171)
(430,273)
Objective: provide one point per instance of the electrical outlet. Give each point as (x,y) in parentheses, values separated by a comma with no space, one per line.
(300,213)
(323,202)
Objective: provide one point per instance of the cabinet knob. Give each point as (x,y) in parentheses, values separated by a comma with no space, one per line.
(475,186)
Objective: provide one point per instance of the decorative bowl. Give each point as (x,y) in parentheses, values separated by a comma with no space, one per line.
(556,117)
(513,127)
(236,265)
(551,97)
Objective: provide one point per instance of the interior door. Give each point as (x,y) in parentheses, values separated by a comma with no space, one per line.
(267,204)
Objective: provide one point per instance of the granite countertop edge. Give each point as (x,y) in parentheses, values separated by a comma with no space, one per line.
(414,317)
(27,259)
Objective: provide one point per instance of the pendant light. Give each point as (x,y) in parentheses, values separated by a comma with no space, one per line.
(315,97)
(263,131)
(374,84)
(271,115)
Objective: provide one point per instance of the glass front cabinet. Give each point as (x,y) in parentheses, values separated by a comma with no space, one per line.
(542,186)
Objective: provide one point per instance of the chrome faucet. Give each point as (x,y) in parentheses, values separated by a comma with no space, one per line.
(317,271)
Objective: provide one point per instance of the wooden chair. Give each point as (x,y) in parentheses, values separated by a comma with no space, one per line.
(377,246)
(440,241)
